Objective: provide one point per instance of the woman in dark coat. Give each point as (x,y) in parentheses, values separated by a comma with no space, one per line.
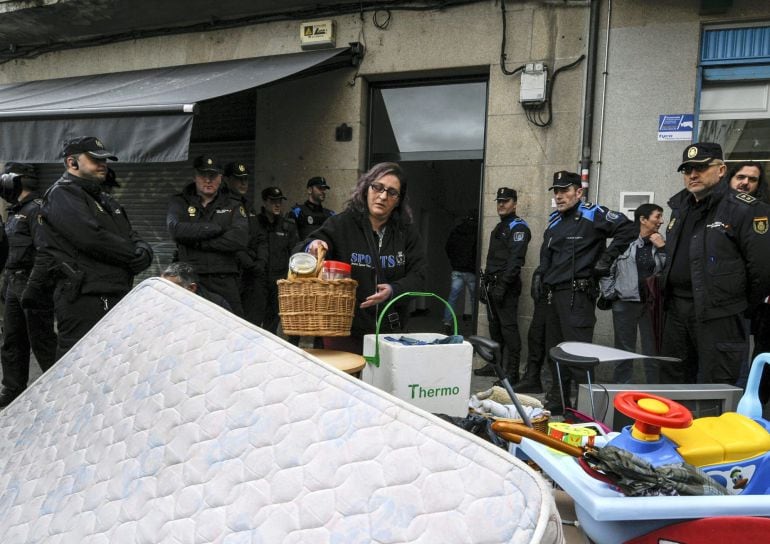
(376,236)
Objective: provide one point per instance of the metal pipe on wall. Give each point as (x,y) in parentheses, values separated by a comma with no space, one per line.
(604,98)
(588,108)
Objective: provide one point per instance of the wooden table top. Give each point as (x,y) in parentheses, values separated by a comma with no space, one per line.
(341,360)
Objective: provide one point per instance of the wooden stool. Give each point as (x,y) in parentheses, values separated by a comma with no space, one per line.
(341,360)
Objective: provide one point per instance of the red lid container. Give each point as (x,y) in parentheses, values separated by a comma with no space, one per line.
(335,270)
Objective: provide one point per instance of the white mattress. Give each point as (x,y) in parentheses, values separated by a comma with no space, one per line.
(175,421)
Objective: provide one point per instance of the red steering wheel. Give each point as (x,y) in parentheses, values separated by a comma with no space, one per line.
(652,412)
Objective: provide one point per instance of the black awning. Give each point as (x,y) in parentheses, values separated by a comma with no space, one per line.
(143,115)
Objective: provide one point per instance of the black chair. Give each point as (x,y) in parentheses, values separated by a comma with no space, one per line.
(490,351)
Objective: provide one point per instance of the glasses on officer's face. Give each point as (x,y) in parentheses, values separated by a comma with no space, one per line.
(379,188)
(688,169)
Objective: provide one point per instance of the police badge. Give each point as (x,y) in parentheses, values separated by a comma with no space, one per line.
(760,225)
(191,211)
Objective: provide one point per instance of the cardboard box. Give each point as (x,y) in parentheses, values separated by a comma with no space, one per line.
(436,378)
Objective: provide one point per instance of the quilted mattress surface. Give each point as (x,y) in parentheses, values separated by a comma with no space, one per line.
(175,421)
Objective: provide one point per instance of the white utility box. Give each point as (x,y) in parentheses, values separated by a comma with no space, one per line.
(434,377)
(317,34)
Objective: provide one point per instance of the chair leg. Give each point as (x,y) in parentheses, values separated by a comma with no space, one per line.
(591,394)
(561,386)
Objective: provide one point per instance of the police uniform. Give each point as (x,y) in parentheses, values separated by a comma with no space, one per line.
(309,216)
(209,237)
(23,329)
(252,260)
(281,241)
(718,261)
(88,239)
(507,250)
(574,250)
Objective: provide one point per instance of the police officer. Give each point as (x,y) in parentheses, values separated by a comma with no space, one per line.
(281,239)
(311,215)
(718,260)
(23,329)
(573,254)
(507,250)
(210,227)
(89,241)
(253,260)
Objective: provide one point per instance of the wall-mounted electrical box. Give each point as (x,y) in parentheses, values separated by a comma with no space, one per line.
(317,34)
(630,200)
(534,85)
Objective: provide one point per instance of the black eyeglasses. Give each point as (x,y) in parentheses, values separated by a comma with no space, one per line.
(687,169)
(379,188)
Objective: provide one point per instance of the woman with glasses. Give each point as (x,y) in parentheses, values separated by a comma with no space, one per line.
(376,236)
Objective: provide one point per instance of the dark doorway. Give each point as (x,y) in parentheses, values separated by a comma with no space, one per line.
(436,131)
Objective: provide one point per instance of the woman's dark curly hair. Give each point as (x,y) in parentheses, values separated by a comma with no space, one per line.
(762,190)
(401,213)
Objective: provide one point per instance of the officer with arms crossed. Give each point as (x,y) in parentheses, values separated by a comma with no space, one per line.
(718,260)
(507,250)
(573,254)
(210,227)
(23,329)
(311,215)
(89,241)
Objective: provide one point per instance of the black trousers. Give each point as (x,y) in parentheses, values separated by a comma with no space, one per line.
(504,329)
(570,317)
(711,351)
(24,330)
(226,286)
(760,328)
(536,342)
(267,305)
(251,292)
(77,314)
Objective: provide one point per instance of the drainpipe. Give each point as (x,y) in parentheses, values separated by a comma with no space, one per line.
(588,107)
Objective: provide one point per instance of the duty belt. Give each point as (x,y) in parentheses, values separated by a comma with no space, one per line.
(580,285)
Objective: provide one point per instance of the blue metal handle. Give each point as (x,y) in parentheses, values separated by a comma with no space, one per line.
(749,405)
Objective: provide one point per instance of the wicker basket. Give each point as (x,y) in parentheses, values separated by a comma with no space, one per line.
(539,423)
(316,307)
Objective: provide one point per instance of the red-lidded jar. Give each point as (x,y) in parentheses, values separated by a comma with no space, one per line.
(335,270)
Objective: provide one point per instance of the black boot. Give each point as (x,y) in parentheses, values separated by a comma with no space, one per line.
(7,396)
(527,385)
(486,370)
(530,383)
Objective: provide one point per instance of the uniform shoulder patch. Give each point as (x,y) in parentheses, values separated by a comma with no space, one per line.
(746,198)
(587,205)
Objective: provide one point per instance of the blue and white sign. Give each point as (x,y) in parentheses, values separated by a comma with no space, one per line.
(675,126)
